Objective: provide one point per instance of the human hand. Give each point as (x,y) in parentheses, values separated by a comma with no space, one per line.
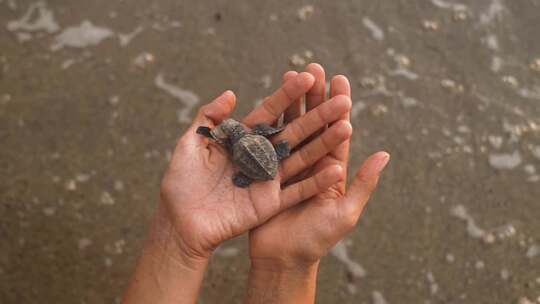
(301,235)
(198,197)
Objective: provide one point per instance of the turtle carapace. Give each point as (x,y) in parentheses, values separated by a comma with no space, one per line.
(256,157)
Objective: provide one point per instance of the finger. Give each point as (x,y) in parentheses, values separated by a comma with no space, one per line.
(315,150)
(306,125)
(217,110)
(317,94)
(295,109)
(339,85)
(272,107)
(361,187)
(211,115)
(312,186)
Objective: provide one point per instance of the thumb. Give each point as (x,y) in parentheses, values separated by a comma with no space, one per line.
(209,115)
(213,113)
(363,185)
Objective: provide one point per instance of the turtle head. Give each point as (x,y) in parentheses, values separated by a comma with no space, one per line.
(230,129)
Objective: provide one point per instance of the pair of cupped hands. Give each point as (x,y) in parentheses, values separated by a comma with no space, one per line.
(292,220)
(301,214)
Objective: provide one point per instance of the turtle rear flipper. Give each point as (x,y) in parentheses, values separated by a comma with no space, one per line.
(265,130)
(241,180)
(205,131)
(282,149)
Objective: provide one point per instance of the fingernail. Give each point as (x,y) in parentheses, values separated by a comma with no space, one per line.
(228,92)
(225,97)
(381,160)
(221,97)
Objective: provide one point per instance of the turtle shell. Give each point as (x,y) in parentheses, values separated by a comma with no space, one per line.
(256,157)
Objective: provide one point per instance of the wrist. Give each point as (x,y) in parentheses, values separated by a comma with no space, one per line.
(278,281)
(164,242)
(283,265)
(290,273)
(165,273)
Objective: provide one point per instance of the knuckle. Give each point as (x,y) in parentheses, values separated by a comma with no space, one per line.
(268,107)
(298,131)
(204,109)
(201,112)
(319,182)
(289,167)
(367,182)
(320,116)
(327,141)
(316,95)
(285,171)
(286,91)
(305,156)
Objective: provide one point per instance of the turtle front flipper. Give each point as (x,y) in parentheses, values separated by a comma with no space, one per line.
(205,131)
(241,180)
(265,130)
(282,149)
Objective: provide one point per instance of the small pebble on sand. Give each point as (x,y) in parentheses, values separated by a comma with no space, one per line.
(84,242)
(305,12)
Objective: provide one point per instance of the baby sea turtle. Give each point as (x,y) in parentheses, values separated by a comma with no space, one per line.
(256,157)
